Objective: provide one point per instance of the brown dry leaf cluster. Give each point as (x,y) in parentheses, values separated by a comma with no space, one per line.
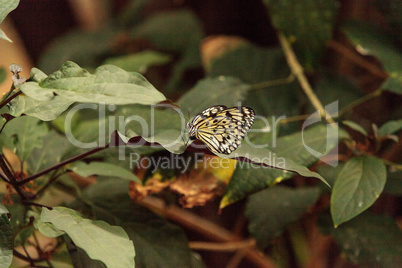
(195,187)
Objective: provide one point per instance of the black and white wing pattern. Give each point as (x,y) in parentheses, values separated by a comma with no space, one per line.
(222,129)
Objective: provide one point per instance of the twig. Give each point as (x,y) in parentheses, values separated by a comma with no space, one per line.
(51,180)
(357,102)
(10,99)
(273,83)
(59,165)
(227,246)
(297,70)
(236,259)
(204,227)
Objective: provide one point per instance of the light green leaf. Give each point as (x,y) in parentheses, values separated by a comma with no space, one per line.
(270,211)
(101,241)
(53,147)
(109,84)
(23,135)
(6,6)
(355,127)
(390,127)
(358,185)
(213,91)
(140,62)
(103,169)
(43,110)
(108,200)
(378,43)
(307,23)
(45,228)
(369,240)
(6,238)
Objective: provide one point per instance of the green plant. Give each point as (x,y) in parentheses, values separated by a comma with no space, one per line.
(92,120)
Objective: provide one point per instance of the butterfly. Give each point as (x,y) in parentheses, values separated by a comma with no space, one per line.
(221,128)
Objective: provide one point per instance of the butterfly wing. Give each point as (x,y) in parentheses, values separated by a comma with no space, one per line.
(223,130)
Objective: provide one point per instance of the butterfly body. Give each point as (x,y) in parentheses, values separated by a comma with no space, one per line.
(221,128)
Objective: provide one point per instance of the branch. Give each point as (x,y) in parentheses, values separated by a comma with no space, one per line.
(228,246)
(297,69)
(59,165)
(207,228)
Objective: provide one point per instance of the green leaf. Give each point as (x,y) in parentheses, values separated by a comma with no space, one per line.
(6,6)
(109,84)
(43,110)
(390,127)
(6,238)
(213,91)
(50,153)
(369,240)
(172,30)
(330,173)
(23,135)
(46,228)
(139,62)
(288,150)
(101,241)
(85,48)
(164,127)
(103,169)
(307,23)
(108,200)
(358,185)
(355,127)
(270,211)
(332,87)
(371,39)
(3,75)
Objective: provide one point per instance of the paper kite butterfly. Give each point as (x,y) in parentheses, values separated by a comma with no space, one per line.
(220,128)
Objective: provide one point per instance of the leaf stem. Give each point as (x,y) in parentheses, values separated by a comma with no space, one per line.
(297,70)
(4,103)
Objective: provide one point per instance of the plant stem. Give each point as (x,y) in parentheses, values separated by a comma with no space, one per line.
(273,83)
(10,99)
(297,70)
(59,165)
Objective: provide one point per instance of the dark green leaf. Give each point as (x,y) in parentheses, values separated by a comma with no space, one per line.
(109,84)
(5,8)
(83,47)
(170,30)
(330,173)
(103,169)
(140,61)
(208,92)
(370,39)
(268,65)
(23,135)
(307,23)
(3,75)
(332,87)
(358,185)
(270,211)
(6,238)
(108,200)
(101,241)
(394,183)
(368,240)
(390,127)
(292,149)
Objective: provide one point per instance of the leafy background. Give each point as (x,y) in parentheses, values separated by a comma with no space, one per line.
(198,54)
